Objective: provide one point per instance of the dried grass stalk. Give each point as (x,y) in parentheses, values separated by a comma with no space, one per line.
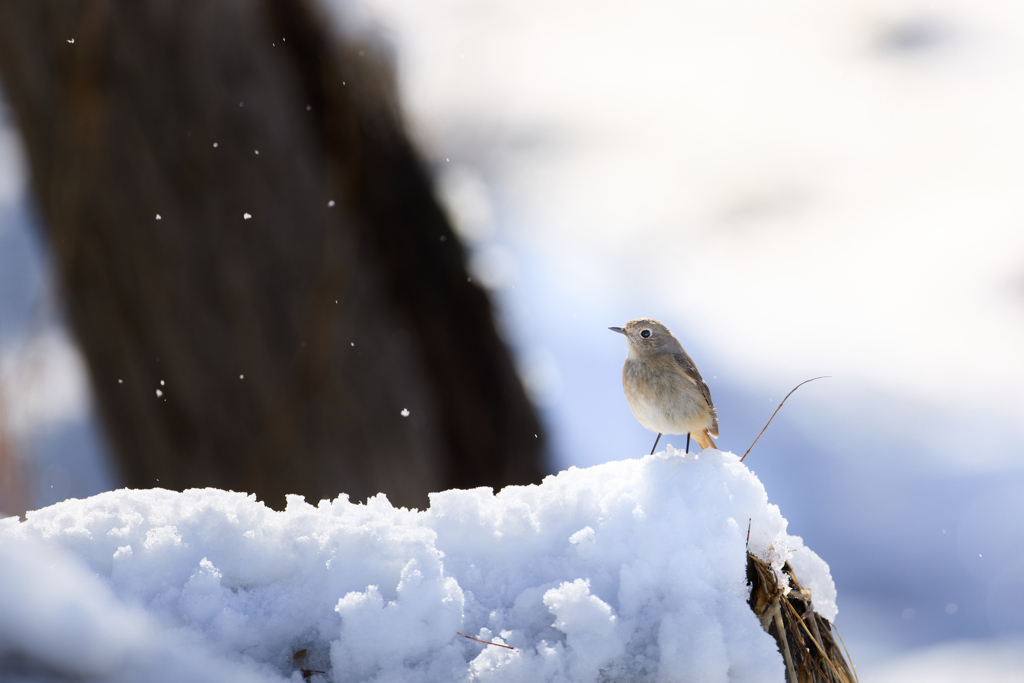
(804,636)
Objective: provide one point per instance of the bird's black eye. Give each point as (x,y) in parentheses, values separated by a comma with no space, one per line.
(645,334)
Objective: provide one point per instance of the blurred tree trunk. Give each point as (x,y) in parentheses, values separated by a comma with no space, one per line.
(252,257)
(12,477)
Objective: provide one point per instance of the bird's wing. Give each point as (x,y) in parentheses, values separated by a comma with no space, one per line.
(685,364)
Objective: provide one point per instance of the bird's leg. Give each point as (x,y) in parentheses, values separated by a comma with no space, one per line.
(655,444)
(687,442)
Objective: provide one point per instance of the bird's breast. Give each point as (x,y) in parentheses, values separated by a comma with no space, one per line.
(662,398)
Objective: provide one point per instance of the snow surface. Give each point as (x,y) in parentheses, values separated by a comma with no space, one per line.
(631,570)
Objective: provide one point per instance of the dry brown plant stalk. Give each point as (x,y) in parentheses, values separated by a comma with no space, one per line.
(486,642)
(804,636)
(777,411)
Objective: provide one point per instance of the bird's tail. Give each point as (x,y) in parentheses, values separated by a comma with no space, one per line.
(704,439)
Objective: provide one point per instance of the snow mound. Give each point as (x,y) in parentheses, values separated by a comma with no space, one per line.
(631,570)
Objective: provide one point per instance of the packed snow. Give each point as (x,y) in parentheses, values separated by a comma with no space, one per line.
(630,570)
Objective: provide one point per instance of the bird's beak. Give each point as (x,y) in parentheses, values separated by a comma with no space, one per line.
(617,329)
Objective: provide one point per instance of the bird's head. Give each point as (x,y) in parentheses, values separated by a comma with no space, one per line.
(647,336)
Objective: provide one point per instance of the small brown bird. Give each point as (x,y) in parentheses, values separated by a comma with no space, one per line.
(665,391)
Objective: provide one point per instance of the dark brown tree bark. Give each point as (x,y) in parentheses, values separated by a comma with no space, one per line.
(300,287)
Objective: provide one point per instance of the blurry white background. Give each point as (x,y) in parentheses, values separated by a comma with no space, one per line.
(795,189)
(46,421)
